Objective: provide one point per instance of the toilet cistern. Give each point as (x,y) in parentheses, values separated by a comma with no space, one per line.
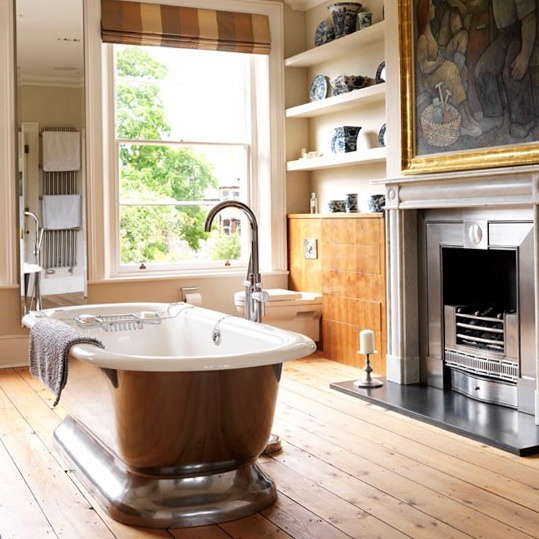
(255,297)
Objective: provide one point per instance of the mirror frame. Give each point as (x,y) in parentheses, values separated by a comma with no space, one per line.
(9,254)
(84,5)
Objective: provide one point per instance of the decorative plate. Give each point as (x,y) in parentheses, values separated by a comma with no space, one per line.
(337,141)
(382,136)
(319,88)
(324,33)
(381,73)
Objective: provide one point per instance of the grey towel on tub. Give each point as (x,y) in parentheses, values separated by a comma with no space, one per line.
(50,342)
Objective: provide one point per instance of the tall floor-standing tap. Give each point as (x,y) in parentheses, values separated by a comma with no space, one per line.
(255,297)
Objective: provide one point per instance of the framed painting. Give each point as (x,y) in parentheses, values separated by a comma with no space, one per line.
(469,84)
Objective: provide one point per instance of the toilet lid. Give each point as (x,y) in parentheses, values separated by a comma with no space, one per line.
(275,294)
(279,294)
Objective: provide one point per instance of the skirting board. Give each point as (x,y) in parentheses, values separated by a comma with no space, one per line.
(13,351)
(498,426)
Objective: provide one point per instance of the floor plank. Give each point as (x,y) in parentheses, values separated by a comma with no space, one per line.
(299,522)
(348,469)
(69,513)
(202,532)
(255,527)
(502,500)
(34,402)
(17,503)
(345,515)
(348,482)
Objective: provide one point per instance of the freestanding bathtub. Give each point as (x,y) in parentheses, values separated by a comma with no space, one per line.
(165,424)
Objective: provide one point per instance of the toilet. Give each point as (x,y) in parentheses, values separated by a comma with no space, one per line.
(286,309)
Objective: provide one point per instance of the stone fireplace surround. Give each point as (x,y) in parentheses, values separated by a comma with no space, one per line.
(512,190)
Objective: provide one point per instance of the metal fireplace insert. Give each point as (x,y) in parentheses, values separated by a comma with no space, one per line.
(479,339)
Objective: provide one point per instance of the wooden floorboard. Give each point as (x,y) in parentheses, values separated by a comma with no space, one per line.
(348,469)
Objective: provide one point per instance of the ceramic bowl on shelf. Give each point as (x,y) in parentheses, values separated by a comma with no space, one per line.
(343,84)
(319,88)
(344,17)
(345,139)
(337,206)
(324,33)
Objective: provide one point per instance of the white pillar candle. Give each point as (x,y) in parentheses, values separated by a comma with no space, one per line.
(366,341)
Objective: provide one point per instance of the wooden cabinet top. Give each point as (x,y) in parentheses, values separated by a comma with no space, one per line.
(340,215)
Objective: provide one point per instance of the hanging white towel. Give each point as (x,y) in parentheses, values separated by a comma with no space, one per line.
(60,212)
(61,150)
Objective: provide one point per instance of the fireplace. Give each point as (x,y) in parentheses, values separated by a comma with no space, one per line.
(478,333)
(463,304)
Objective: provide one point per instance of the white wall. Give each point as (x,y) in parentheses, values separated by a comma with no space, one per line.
(12,338)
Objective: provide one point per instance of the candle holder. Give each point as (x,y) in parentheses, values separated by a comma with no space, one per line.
(368,382)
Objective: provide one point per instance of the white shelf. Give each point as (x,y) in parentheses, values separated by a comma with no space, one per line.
(374,155)
(338,47)
(364,96)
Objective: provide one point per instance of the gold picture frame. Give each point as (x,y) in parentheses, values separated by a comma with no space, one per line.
(419,156)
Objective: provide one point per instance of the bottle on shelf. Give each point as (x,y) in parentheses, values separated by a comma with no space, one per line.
(313,203)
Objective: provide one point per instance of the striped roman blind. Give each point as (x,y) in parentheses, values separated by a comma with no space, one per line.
(138,23)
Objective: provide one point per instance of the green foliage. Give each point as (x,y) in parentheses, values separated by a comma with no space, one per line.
(153,172)
(224,246)
(148,242)
(140,113)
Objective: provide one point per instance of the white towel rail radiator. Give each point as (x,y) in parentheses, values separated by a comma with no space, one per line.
(59,246)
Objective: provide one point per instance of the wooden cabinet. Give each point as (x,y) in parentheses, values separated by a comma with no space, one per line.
(305,273)
(349,271)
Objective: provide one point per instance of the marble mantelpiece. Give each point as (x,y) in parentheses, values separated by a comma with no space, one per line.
(503,188)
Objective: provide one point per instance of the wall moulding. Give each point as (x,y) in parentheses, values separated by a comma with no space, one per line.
(303,5)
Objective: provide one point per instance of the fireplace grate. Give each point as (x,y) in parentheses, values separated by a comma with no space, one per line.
(491,367)
(481,328)
(482,341)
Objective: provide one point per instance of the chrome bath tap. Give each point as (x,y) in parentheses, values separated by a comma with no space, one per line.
(255,297)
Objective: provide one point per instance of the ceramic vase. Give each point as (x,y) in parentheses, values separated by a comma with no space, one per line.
(345,139)
(377,203)
(364,20)
(351,203)
(344,17)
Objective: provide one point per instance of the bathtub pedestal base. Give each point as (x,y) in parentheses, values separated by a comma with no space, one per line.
(162,502)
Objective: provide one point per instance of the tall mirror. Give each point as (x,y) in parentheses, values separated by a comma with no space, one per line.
(50,117)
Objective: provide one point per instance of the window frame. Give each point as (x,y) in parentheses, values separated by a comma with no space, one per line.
(267,195)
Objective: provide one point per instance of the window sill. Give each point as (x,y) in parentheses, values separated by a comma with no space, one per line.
(201,274)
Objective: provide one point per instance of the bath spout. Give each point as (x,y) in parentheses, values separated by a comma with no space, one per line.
(255,297)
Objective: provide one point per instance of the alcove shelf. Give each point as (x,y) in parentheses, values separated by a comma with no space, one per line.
(357,50)
(367,36)
(364,96)
(373,155)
